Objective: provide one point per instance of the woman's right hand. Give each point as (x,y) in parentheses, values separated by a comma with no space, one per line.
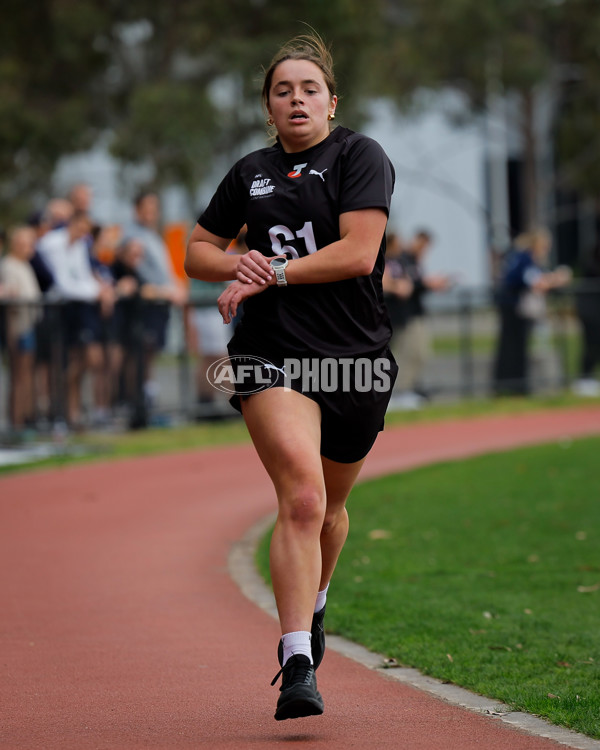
(253,268)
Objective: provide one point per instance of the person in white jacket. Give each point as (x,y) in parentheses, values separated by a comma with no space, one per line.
(86,300)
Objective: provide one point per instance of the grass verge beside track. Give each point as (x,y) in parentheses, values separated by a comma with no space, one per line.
(484,573)
(105,445)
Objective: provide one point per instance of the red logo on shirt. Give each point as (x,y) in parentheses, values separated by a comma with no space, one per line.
(297,171)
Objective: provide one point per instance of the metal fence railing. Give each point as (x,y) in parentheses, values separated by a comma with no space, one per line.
(146,386)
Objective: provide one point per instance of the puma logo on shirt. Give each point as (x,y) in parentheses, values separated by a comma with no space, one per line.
(320,174)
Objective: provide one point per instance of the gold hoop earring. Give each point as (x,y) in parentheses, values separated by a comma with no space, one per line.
(331,116)
(270,122)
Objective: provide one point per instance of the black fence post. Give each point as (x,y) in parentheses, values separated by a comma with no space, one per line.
(466,344)
(563,330)
(57,365)
(184,365)
(138,418)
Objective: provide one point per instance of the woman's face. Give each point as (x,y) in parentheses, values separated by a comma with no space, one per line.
(299,103)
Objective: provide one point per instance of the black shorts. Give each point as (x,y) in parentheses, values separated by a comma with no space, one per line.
(45,333)
(352,392)
(155,320)
(82,323)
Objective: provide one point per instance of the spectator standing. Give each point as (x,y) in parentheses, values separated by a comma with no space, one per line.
(397,286)
(18,282)
(85,298)
(126,321)
(41,223)
(155,269)
(521,302)
(411,343)
(127,326)
(587,302)
(209,337)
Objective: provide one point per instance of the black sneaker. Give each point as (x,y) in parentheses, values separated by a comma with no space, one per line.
(317,639)
(298,692)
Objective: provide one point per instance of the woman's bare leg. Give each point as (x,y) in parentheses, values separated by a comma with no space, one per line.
(285,427)
(339,480)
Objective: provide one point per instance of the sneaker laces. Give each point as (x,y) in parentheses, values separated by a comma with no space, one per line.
(302,671)
(274,680)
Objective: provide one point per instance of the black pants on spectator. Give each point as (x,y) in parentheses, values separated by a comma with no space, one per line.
(588,310)
(511,364)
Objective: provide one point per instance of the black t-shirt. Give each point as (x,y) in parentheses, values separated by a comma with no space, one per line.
(291,203)
(412,269)
(127,309)
(120,270)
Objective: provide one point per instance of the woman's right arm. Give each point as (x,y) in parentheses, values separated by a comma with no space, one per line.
(206,259)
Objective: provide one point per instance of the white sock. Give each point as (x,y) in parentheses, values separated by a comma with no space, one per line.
(321,599)
(295,643)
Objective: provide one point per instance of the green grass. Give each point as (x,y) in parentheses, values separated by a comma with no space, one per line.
(103,446)
(482,562)
(484,573)
(168,439)
(98,445)
(486,407)
(478,344)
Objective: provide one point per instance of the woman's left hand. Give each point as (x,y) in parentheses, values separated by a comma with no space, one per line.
(234,295)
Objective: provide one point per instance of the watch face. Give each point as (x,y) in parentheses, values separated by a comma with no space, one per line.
(279,262)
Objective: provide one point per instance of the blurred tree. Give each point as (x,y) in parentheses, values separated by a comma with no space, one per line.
(192,81)
(518,48)
(499,47)
(50,58)
(169,84)
(578,128)
(176,84)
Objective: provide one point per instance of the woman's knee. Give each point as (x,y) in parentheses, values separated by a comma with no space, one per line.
(304,504)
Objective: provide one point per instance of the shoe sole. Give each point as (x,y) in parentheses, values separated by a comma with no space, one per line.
(296,708)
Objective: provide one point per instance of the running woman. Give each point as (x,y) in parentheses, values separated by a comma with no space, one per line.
(316,205)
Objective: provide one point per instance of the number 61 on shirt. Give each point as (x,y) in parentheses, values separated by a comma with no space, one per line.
(305,233)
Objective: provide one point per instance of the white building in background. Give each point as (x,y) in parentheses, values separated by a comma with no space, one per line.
(440,185)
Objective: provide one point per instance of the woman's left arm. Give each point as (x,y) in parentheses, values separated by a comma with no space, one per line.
(354,254)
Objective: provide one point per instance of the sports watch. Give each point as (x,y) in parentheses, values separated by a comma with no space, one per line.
(279,265)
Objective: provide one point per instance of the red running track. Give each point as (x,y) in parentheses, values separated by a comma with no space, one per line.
(120,627)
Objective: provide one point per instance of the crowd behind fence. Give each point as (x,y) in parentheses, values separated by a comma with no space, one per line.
(463,324)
